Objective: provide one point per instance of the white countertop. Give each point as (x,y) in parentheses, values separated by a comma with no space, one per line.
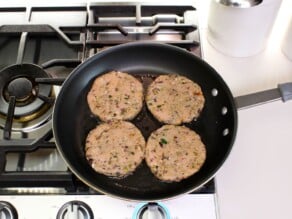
(256,180)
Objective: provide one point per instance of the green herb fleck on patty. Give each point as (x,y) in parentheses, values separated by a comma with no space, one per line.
(163,141)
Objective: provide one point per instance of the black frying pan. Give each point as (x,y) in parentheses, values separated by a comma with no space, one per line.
(72,119)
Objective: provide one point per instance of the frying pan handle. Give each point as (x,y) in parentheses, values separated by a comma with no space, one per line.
(283,91)
(286,91)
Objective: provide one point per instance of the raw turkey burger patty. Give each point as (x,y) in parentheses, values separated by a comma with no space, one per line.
(115,148)
(174,153)
(174,99)
(115,96)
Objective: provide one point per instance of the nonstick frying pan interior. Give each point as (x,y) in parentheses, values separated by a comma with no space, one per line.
(72,119)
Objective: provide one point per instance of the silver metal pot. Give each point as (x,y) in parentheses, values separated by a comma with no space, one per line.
(240,3)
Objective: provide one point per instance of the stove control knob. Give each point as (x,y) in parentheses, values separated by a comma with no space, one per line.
(7,211)
(75,210)
(151,210)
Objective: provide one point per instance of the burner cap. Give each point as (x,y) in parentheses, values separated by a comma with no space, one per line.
(19,81)
(21,88)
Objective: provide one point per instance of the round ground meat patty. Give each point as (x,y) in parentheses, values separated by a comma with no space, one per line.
(174,99)
(115,148)
(115,96)
(174,153)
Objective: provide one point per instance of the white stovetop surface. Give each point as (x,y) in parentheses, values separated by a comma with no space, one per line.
(256,180)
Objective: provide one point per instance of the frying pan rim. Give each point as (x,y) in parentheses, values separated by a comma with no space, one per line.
(129,45)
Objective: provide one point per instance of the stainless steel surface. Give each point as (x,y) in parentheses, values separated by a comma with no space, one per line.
(103,207)
(11,46)
(59,43)
(240,3)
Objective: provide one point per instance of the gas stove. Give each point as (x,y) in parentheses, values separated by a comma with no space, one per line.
(40,45)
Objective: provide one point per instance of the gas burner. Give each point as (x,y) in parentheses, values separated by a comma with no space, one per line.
(32,100)
(22,89)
